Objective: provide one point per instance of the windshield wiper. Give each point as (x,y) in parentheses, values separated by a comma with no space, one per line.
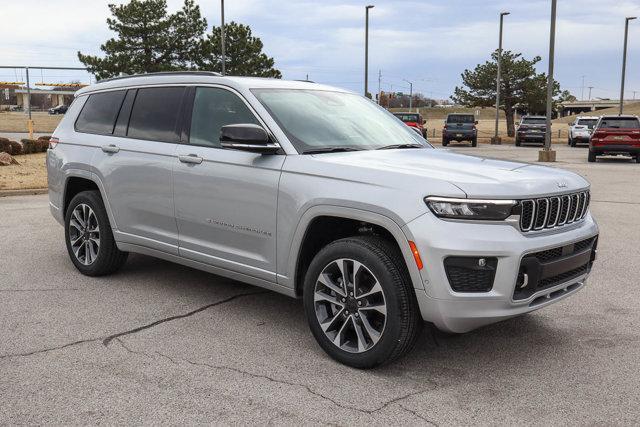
(389,147)
(330,150)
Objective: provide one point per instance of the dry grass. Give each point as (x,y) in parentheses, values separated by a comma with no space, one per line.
(17,122)
(30,173)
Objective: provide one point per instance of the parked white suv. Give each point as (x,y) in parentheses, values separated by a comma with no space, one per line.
(581,129)
(317,193)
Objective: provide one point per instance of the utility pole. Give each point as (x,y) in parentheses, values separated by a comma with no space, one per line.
(547,154)
(582,96)
(410,95)
(496,138)
(366,49)
(624,59)
(379,83)
(222,35)
(634,94)
(590,87)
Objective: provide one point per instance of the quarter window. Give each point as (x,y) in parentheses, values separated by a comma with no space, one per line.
(155,114)
(214,108)
(99,113)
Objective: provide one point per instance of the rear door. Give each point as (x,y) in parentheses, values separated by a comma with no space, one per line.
(226,200)
(135,166)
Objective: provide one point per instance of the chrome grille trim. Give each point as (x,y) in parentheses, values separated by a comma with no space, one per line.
(545,215)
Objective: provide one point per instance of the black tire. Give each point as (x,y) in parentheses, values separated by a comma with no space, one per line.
(573,143)
(592,156)
(517,142)
(569,141)
(109,258)
(474,142)
(445,142)
(403,321)
(637,158)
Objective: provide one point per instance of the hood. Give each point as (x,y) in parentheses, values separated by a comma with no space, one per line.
(476,176)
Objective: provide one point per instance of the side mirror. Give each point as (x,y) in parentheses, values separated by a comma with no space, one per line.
(476,122)
(247,137)
(518,123)
(424,121)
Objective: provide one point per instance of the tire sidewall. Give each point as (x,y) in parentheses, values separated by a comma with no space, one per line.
(106,241)
(392,331)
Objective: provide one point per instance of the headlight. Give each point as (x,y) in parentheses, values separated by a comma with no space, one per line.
(493,210)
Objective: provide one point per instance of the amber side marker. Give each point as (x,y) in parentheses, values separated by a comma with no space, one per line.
(416,255)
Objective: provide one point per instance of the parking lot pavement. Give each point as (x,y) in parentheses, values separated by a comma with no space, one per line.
(162,343)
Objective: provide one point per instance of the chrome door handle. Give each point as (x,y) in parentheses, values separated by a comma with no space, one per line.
(110,148)
(190,158)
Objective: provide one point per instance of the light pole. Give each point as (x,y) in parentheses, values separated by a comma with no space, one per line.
(624,59)
(366,49)
(410,95)
(582,95)
(496,139)
(590,87)
(547,154)
(222,35)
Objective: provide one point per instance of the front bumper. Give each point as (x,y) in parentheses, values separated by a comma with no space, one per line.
(459,312)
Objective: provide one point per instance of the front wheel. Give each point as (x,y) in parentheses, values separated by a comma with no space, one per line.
(359,302)
(88,235)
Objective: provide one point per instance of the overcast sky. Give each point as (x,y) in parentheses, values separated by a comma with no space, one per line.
(429,42)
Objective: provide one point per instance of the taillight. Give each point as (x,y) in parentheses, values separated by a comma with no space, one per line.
(53,143)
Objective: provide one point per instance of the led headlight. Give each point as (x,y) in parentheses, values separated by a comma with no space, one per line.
(492,210)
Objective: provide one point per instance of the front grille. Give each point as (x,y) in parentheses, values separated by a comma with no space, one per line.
(549,212)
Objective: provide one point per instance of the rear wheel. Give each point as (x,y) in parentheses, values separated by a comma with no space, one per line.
(592,156)
(474,142)
(637,158)
(359,302)
(445,142)
(88,235)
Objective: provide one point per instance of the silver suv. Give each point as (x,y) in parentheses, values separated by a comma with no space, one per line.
(319,194)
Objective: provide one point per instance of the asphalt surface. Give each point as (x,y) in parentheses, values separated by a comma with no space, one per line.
(161,343)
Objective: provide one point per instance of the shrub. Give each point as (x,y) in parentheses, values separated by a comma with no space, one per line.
(43,145)
(30,146)
(16,148)
(5,145)
(45,137)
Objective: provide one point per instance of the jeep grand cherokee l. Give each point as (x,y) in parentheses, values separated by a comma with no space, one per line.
(615,135)
(531,129)
(580,130)
(320,194)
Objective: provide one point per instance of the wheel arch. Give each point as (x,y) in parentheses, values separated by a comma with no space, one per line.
(321,225)
(77,181)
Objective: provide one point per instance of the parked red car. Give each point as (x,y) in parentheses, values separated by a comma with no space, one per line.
(413,120)
(615,135)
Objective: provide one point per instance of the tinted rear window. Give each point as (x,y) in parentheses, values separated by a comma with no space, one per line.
(155,114)
(620,123)
(408,117)
(460,118)
(99,113)
(587,122)
(534,120)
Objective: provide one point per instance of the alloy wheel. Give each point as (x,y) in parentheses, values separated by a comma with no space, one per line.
(350,305)
(84,234)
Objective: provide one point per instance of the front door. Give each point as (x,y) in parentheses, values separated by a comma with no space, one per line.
(226,200)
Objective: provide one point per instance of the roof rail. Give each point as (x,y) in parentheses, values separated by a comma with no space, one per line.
(163,73)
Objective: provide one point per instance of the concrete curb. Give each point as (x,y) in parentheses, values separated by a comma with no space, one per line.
(27,192)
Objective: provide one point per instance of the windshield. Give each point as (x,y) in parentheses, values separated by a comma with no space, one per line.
(620,123)
(587,122)
(534,121)
(317,119)
(459,118)
(408,117)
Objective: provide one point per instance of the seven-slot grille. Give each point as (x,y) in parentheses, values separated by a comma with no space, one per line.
(555,211)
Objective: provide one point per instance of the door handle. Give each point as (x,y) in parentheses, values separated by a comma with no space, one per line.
(190,158)
(110,148)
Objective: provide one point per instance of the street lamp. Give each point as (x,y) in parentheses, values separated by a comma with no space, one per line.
(624,58)
(222,35)
(496,140)
(366,49)
(410,94)
(548,155)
